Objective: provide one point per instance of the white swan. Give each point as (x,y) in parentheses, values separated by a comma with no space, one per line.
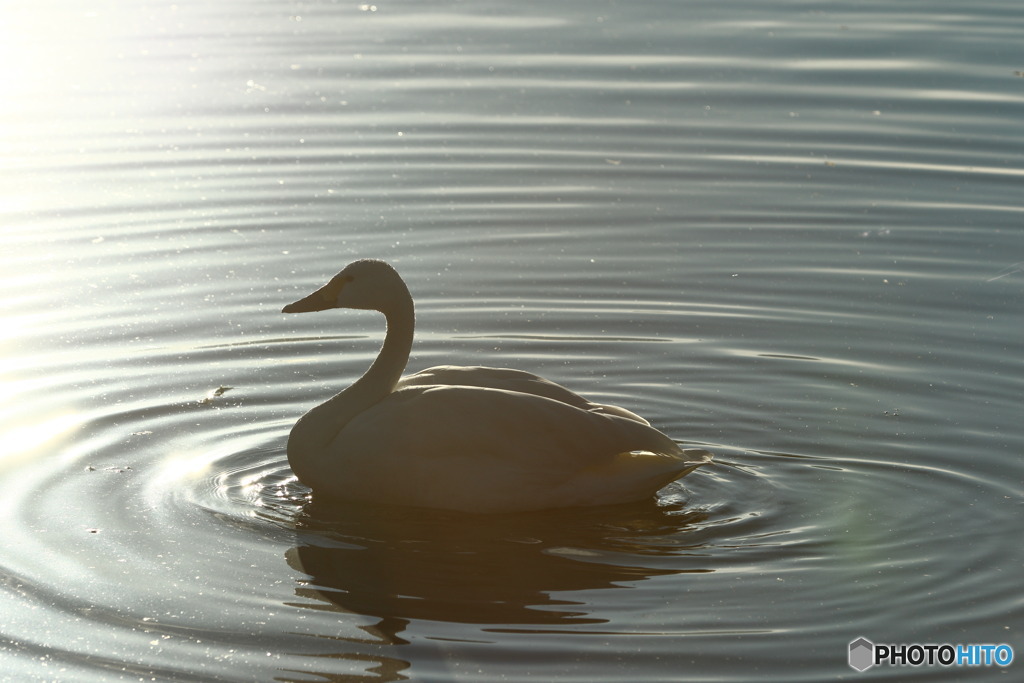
(467,438)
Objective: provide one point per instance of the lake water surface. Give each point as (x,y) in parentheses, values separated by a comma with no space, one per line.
(788,232)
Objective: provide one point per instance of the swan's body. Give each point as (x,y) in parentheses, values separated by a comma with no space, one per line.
(467,438)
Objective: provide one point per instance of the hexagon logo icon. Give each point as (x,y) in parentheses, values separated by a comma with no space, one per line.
(862,654)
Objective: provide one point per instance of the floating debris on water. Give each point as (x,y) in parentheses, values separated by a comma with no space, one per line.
(215,393)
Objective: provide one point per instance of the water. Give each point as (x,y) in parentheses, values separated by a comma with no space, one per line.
(788,232)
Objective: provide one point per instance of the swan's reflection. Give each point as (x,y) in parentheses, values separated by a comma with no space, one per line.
(403,564)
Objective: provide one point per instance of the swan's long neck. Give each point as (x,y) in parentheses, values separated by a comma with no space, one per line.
(315,431)
(382,376)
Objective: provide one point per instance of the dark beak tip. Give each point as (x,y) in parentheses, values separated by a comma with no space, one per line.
(313,302)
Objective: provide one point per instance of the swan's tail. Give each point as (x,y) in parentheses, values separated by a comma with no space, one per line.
(691,459)
(632,475)
(695,457)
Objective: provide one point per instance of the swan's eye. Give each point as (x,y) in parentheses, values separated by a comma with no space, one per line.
(332,289)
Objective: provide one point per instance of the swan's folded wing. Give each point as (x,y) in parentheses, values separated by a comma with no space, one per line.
(490,450)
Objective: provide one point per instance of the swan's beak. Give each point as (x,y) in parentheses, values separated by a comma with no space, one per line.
(320,300)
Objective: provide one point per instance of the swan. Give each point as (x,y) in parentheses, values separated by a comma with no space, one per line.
(474,439)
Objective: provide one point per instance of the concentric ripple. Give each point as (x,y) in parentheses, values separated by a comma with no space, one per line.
(189,557)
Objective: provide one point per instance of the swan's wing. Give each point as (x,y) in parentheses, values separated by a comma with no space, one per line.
(489,450)
(510,380)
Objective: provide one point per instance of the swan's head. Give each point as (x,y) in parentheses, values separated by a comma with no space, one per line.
(367,284)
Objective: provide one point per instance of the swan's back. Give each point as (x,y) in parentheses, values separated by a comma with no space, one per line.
(518,381)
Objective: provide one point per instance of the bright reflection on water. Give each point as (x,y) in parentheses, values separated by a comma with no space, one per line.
(790,234)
